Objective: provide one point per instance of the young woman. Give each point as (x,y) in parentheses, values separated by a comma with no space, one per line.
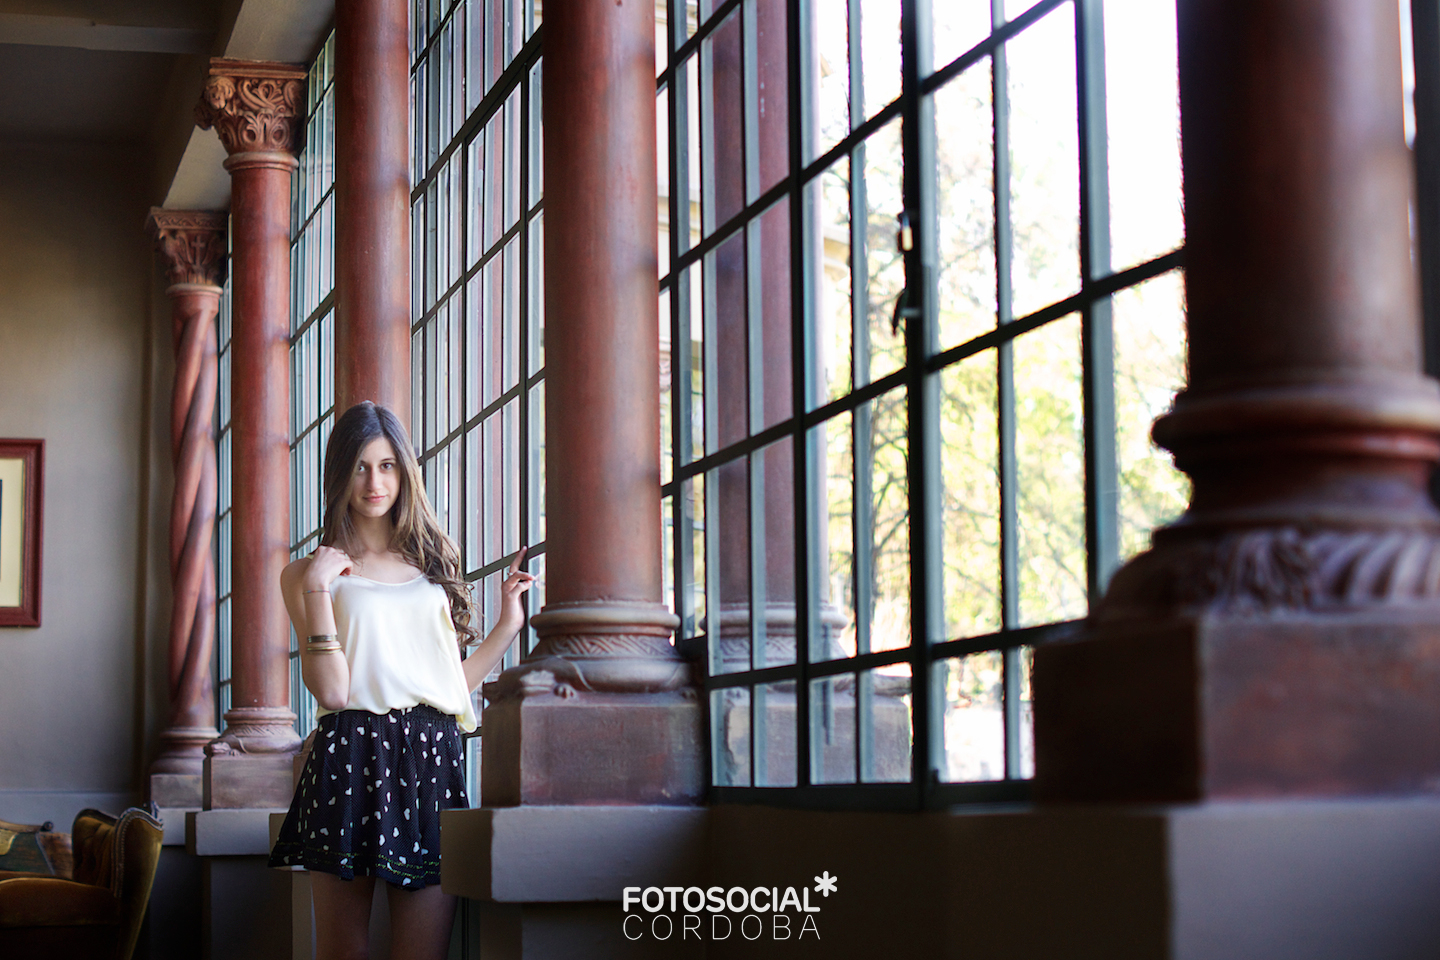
(385,615)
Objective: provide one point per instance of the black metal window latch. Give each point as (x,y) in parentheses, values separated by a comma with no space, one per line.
(906,306)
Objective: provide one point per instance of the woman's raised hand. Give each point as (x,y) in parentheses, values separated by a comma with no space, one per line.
(516,582)
(326,564)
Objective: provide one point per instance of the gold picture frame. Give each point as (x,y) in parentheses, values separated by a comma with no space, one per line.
(22,481)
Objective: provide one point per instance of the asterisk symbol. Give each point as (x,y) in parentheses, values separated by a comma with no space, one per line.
(825,883)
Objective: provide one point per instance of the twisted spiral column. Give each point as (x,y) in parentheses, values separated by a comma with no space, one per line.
(192,245)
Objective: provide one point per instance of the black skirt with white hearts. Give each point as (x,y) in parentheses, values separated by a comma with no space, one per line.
(370,795)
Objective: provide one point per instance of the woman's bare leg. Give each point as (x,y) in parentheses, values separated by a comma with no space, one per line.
(342,916)
(420,923)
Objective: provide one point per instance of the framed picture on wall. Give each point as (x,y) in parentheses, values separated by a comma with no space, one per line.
(22,480)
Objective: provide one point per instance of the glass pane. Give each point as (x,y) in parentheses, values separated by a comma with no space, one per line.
(667,552)
(1050,467)
(880,158)
(880,428)
(535,301)
(662,167)
(535,599)
(475,346)
(773,714)
(1149,325)
(537,137)
(880,52)
(829,198)
(692,316)
(474,504)
(775,501)
(723,123)
(970,502)
(726,272)
(965,205)
(772,72)
(509,479)
(832,729)
(536,470)
(667,459)
(1045,172)
(771,240)
(690,235)
(1143,116)
(958,25)
(883,701)
(692,581)
(733,533)
(835,526)
(974,717)
(1026,716)
(730,720)
(831,87)
(510,329)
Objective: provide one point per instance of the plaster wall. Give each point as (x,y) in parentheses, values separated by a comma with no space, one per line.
(76,338)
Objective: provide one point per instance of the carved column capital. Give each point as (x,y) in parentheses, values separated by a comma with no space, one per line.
(192,243)
(254,106)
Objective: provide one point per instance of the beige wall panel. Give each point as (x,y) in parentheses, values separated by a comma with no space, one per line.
(75,277)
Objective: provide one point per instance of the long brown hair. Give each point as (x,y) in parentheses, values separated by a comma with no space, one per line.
(415,531)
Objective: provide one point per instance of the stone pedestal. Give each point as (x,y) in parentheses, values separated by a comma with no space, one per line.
(1230,707)
(248,780)
(541,748)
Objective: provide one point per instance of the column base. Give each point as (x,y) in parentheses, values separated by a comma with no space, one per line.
(593,748)
(240,780)
(1232,705)
(182,750)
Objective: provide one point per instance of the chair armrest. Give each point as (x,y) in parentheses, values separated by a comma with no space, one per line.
(27,900)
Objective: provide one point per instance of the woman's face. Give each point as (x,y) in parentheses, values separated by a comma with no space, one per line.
(376,481)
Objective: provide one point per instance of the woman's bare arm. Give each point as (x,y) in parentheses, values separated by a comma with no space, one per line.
(507,627)
(305,585)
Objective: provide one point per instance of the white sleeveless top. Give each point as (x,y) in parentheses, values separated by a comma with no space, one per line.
(401,647)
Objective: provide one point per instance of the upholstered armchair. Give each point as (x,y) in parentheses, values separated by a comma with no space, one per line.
(96,911)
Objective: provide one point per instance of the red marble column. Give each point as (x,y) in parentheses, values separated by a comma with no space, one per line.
(192,245)
(255,108)
(372,204)
(1280,637)
(602,710)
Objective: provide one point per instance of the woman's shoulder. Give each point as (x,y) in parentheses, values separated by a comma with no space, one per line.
(294,572)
